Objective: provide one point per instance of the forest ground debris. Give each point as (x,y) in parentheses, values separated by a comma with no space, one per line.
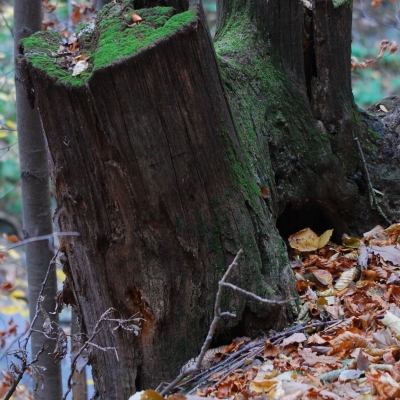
(345,346)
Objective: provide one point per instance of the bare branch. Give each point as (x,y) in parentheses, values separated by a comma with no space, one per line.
(126,324)
(254,296)
(44,237)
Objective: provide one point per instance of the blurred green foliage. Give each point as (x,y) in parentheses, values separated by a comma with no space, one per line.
(376,82)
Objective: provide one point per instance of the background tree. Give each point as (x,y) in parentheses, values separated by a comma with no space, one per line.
(36,207)
(167,158)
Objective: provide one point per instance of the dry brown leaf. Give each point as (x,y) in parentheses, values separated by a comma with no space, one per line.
(270,350)
(298,337)
(375,233)
(310,358)
(347,340)
(316,339)
(137,19)
(388,253)
(345,279)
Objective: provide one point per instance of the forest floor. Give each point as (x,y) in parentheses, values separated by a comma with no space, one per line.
(345,342)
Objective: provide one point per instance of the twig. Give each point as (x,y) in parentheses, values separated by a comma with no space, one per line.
(2,128)
(254,296)
(44,237)
(372,197)
(124,324)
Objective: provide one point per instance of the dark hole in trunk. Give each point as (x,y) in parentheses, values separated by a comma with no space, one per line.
(310,216)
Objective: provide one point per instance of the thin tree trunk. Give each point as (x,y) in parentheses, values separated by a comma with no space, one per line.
(36,206)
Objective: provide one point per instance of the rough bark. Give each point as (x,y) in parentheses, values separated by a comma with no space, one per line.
(36,208)
(162,161)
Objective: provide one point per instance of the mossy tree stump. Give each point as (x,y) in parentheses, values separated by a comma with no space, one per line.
(168,156)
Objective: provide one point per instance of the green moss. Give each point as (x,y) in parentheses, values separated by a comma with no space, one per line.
(268,112)
(114,37)
(338,3)
(46,42)
(117,42)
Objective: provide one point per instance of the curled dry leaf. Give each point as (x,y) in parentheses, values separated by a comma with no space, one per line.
(383,108)
(137,19)
(392,322)
(270,350)
(348,340)
(345,279)
(393,46)
(80,67)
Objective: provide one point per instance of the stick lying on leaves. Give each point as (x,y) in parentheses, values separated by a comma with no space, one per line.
(217,316)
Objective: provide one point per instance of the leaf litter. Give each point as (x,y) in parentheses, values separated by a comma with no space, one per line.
(345,343)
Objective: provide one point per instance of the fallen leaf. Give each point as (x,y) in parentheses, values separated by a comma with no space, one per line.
(304,240)
(137,19)
(79,67)
(345,279)
(324,238)
(383,108)
(76,16)
(298,337)
(392,322)
(388,253)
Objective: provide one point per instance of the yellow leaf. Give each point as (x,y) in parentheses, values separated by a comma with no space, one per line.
(24,313)
(351,242)
(3,134)
(17,294)
(12,309)
(60,275)
(324,238)
(11,124)
(14,254)
(304,240)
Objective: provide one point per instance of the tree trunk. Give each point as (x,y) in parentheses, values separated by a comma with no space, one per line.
(168,157)
(36,209)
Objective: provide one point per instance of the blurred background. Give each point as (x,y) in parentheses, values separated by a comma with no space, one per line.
(370,26)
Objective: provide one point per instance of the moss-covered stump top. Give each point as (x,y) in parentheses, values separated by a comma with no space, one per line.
(112,36)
